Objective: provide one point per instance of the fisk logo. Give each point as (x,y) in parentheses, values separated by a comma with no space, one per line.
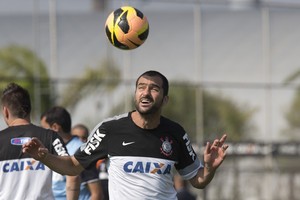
(94,142)
(189,146)
(147,167)
(22,166)
(59,148)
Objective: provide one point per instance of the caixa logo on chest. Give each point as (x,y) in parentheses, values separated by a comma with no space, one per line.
(22,166)
(147,167)
(93,142)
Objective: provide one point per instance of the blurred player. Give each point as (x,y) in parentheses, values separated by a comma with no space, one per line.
(21,176)
(58,119)
(80,131)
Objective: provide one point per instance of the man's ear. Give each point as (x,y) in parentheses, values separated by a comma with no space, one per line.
(55,127)
(5,112)
(165,100)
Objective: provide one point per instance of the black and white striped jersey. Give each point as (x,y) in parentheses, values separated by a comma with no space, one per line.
(22,177)
(142,162)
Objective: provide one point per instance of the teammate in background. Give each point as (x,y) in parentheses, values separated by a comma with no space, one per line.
(181,186)
(144,149)
(58,119)
(22,177)
(82,132)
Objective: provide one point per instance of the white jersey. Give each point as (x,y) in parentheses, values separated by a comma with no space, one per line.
(25,179)
(22,177)
(142,162)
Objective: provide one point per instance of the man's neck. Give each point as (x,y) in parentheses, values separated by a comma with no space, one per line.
(150,121)
(18,122)
(65,136)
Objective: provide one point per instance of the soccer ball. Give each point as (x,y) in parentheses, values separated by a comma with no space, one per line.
(127,28)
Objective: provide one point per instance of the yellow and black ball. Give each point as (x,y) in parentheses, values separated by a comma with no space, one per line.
(127,28)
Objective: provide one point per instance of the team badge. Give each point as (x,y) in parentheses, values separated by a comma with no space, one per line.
(166,147)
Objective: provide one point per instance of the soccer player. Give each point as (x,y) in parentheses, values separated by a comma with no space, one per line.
(21,176)
(144,148)
(58,119)
(80,131)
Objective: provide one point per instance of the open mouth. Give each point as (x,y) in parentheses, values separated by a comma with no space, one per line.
(146,101)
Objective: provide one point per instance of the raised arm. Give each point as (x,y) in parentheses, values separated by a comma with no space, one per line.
(213,157)
(66,165)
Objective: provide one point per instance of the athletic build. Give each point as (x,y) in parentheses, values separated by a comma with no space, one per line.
(143,148)
(146,158)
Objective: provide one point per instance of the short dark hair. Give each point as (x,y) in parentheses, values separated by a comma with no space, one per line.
(17,100)
(165,82)
(59,115)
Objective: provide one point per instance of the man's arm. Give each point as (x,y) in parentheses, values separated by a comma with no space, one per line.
(214,155)
(65,165)
(203,178)
(73,187)
(95,190)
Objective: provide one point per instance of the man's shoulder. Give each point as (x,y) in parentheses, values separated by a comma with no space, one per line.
(75,140)
(170,123)
(39,131)
(116,120)
(47,136)
(73,144)
(123,116)
(29,129)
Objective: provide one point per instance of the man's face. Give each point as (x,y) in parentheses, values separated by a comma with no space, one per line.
(80,133)
(149,95)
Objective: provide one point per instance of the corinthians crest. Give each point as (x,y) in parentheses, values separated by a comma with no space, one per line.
(166,147)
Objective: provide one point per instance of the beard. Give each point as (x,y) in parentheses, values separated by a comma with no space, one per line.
(152,109)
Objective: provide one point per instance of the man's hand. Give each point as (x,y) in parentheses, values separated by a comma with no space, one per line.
(36,149)
(215,154)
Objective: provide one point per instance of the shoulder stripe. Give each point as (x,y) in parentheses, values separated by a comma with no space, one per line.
(117,117)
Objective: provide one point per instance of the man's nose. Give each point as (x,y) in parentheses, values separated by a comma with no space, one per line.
(146,91)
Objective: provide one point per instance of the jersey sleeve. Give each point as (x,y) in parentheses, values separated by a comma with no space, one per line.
(189,162)
(57,145)
(89,175)
(95,148)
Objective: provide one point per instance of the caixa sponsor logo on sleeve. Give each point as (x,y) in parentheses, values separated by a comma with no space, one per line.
(22,165)
(94,142)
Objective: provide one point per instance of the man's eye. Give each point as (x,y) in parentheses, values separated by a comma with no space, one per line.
(141,87)
(155,89)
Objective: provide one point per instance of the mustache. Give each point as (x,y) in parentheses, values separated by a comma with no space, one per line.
(147,97)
